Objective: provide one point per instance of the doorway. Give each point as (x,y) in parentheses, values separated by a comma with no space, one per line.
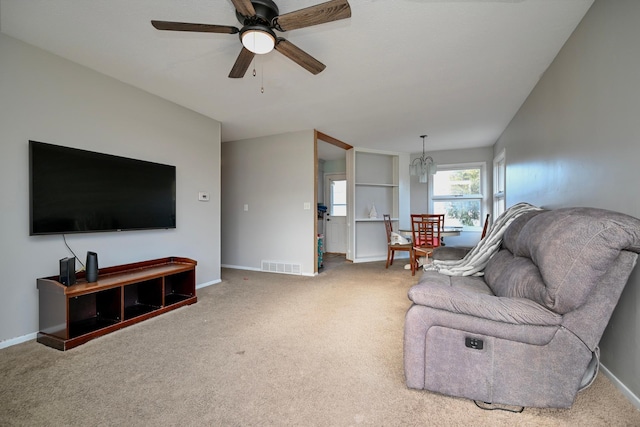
(330,176)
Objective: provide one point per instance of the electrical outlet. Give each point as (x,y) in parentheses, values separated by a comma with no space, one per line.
(203,196)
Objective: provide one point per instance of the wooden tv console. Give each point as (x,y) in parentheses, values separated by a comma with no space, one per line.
(122,296)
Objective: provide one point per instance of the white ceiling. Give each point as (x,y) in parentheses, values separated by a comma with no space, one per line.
(457,70)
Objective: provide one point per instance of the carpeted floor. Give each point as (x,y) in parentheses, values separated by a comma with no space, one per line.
(263,349)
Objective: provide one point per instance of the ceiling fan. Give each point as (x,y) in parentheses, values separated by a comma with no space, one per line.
(260,19)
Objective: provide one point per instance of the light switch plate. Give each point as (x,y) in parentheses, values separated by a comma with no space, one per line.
(203,196)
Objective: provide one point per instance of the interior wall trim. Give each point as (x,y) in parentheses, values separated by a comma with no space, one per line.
(331,140)
(18,340)
(635,400)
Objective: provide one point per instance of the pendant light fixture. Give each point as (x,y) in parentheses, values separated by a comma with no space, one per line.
(423,166)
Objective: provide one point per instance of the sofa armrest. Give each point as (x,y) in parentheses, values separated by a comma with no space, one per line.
(518,311)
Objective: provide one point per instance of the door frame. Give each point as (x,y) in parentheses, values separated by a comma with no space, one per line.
(331,140)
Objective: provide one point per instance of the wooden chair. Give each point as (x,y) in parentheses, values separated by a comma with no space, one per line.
(391,249)
(426,232)
(485,228)
(458,252)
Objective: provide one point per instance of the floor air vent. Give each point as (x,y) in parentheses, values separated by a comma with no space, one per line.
(281,267)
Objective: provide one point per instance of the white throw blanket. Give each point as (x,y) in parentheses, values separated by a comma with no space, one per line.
(476,260)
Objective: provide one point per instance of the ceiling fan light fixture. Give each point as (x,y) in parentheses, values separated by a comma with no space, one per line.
(258,39)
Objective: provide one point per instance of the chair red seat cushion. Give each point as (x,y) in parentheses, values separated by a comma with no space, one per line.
(423,241)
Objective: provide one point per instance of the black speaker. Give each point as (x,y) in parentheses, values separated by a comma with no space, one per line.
(68,271)
(92,267)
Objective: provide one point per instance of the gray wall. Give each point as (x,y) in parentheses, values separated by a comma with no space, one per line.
(576,142)
(46,98)
(336,166)
(274,176)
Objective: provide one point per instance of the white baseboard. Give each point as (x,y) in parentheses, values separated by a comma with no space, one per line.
(242,267)
(18,340)
(205,284)
(620,386)
(370,259)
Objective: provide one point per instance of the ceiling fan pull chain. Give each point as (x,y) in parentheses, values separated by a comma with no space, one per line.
(254,66)
(261,77)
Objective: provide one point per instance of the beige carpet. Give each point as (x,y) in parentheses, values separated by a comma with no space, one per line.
(262,349)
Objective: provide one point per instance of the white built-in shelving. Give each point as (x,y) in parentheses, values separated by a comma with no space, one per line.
(375,179)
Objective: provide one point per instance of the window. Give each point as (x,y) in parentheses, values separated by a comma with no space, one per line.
(338,198)
(499,175)
(457,192)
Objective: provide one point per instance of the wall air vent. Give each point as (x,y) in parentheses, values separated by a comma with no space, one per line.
(281,267)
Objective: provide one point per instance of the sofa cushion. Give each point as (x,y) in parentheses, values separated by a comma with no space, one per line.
(471,297)
(511,234)
(557,257)
(471,283)
(445,253)
(517,277)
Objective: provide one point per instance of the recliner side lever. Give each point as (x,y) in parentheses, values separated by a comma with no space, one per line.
(474,343)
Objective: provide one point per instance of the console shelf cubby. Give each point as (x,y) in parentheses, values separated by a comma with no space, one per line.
(122,296)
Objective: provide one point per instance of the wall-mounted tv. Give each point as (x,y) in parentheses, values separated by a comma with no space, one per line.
(79,191)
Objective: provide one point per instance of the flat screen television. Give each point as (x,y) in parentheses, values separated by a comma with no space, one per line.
(80,191)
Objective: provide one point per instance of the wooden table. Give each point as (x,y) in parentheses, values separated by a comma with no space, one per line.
(447,232)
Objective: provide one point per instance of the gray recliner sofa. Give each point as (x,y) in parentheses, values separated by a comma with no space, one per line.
(525,333)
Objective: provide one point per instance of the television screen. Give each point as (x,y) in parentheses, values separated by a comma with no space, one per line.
(79,191)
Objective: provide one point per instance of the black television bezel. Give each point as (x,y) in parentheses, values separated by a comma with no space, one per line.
(103,156)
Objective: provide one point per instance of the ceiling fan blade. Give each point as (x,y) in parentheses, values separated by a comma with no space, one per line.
(299,56)
(200,28)
(244,7)
(242,64)
(319,14)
